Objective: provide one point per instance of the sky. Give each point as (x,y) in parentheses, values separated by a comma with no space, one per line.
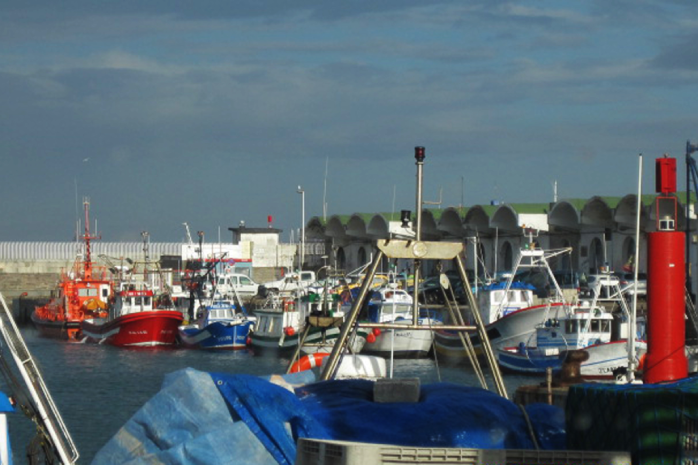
(214,112)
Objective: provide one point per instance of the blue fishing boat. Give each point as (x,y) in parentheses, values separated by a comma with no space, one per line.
(218,325)
(586,327)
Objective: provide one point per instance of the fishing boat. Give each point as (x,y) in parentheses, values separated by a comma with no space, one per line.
(586,326)
(302,325)
(392,305)
(510,311)
(83,292)
(136,318)
(218,325)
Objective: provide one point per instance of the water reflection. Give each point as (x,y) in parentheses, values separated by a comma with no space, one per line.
(98,388)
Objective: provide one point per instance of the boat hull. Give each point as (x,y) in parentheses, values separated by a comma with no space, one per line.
(57,329)
(509,331)
(402,343)
(141,329)
(217,335)
(604,360)
(281,341)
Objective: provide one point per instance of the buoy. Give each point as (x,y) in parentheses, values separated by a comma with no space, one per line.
(370,338)
(376,332)
(308,361)
(289,331)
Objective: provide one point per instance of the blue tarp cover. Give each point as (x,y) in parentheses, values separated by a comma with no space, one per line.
(216,418)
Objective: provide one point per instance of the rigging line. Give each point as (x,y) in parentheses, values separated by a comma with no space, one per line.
(436,358)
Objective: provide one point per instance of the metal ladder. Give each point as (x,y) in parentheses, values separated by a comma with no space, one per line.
(691,311)
(48,417)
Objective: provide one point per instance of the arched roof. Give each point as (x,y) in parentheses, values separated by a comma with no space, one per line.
(356,226)
(477,219)
(335,227)
(430,230)
(505,218)
(625,214)
(451,223)
(597,212)
(378,227)
(565,215)
(315,228)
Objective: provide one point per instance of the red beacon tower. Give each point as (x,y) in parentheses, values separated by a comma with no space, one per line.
(666,277)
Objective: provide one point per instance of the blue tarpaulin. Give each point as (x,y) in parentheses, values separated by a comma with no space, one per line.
(214,418)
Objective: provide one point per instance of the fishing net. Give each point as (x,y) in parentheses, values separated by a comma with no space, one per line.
(658,423)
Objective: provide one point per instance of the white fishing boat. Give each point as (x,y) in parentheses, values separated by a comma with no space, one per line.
(586,326)
(509,311)
(392,305)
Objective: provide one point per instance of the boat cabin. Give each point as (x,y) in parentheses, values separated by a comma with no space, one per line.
(495,300)
(221,311)
(389,304)
(585,327)
(133,297)
(273,320)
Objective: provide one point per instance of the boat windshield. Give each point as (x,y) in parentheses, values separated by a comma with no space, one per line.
(88,292)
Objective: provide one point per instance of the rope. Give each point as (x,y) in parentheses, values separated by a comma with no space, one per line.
(529,426)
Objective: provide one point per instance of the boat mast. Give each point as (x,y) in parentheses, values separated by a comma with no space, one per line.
(417,263)
(87,261)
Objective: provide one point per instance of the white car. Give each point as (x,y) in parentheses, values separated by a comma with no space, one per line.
(291,283)
(243,285)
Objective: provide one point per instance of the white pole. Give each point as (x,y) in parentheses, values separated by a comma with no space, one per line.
(632,331)
(302,193)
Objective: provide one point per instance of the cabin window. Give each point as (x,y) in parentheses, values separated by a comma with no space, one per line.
(128,301)
(105,293)
(605,326)
(595,326)
(146,300)
(571,326)
(138,301)
(88,292)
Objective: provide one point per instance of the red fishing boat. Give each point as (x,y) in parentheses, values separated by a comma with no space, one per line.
(136,319)
(83,292)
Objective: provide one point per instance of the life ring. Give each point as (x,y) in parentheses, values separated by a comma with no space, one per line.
(309,361)
(641,362)
(289,305)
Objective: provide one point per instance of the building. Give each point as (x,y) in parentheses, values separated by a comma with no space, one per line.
(601,231)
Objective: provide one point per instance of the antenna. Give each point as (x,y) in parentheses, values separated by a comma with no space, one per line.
(324,193)
(555,191)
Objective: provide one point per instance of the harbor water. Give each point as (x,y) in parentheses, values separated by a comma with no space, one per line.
(98,388)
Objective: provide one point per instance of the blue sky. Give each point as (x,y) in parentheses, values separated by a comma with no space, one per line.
(213,112)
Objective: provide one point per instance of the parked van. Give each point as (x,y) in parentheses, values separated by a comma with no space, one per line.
(243,285)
